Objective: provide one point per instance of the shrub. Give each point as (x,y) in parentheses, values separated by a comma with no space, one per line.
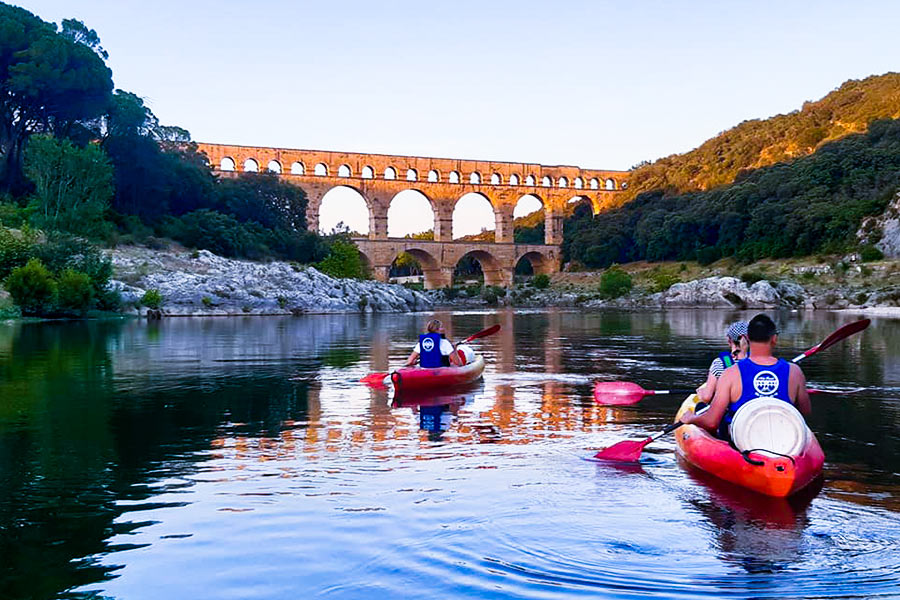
(343,260)
(15,250)
(282,301)
(869,253)
(751,277)
(490,297)
(541,281)
(363,302)
(615,282)
(152,299)
(663,280)
(33,288)
(451,292)
(207,301)
(75,292)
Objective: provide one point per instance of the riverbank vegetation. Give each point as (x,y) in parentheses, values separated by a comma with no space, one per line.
(812,205)
(83,164)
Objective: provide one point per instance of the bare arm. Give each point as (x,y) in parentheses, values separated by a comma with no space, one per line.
(710,419)
(707,391)
(413,358)
(800,394)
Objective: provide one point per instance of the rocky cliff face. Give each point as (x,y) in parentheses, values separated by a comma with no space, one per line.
(201,283)
(884,230)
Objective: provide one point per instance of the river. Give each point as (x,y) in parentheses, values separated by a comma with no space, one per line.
(240,458)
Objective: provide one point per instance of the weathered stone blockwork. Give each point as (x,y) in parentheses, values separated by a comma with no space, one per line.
(443,181)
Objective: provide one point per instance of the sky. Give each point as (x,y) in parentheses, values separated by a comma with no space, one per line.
(598,84)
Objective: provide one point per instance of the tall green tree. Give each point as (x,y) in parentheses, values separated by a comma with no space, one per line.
(73,186)
(158,170)
(48,82)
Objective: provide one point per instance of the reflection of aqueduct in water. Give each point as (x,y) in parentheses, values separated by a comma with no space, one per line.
(379,178)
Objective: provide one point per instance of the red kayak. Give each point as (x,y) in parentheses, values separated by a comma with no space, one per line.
(769,474)
(419,379)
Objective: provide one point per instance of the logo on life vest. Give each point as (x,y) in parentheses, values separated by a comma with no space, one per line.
(765,383)
(428,344)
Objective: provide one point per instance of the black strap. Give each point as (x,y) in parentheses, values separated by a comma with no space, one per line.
(759,463)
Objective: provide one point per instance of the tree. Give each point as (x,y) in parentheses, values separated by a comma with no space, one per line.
(265,199)
(158,171)
(48,82)
(73,186)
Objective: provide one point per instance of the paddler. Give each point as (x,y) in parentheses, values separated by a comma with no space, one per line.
(434,349)
(736,338)
(760,375)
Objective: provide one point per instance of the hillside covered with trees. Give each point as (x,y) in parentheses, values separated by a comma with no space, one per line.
(810,205)
(762,142)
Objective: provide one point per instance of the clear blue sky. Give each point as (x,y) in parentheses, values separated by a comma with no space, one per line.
(594,83)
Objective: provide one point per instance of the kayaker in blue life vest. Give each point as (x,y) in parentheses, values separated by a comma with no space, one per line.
(738,345)
(434,349)
(760,375)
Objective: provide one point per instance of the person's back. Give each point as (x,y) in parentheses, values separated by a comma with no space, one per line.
(433,350)
(760,375)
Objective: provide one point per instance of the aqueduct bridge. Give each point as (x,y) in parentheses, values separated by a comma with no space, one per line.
(378,178)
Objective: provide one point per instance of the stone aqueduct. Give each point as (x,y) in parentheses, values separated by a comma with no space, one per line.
(379,178)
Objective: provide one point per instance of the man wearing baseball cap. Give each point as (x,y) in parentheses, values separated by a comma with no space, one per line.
(736,337)
(760,375)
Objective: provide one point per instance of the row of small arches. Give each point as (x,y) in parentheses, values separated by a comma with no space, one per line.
(390,173)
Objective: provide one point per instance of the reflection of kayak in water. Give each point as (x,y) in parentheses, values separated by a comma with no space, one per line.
(419,379)
(436,410)
(760,534)
(761,471)
(770,511)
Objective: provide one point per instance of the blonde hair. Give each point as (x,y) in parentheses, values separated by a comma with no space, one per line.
(433,326)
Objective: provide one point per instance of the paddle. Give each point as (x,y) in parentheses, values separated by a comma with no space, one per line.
(378,378)
(843,332)
(624,393)
(619,393)
(630,451)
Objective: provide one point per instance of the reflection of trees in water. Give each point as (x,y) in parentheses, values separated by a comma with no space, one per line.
(71,447)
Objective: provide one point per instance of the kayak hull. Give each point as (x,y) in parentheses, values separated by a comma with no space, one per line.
(419,379)
(777,476)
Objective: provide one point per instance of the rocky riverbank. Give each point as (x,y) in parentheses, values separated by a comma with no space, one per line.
(201,283)
(836,284)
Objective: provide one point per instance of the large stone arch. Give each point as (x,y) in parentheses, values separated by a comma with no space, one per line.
(431,203)
(496,207)
(580,199)
(540,262)
(435,277)
(494,273)
(315,196)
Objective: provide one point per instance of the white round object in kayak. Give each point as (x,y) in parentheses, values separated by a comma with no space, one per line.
(466,353)
(769,424)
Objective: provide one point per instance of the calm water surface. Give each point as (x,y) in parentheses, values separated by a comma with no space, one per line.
(240,458)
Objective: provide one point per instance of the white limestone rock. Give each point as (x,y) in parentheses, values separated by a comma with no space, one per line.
(884,230)
(730,292)
(203,283)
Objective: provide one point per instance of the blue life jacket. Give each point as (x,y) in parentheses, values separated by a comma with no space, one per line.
(430,351)
(758,381)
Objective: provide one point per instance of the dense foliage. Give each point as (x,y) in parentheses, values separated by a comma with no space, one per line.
(77,159)
(50,82)
(757,143)
(73,186)
(813,204)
